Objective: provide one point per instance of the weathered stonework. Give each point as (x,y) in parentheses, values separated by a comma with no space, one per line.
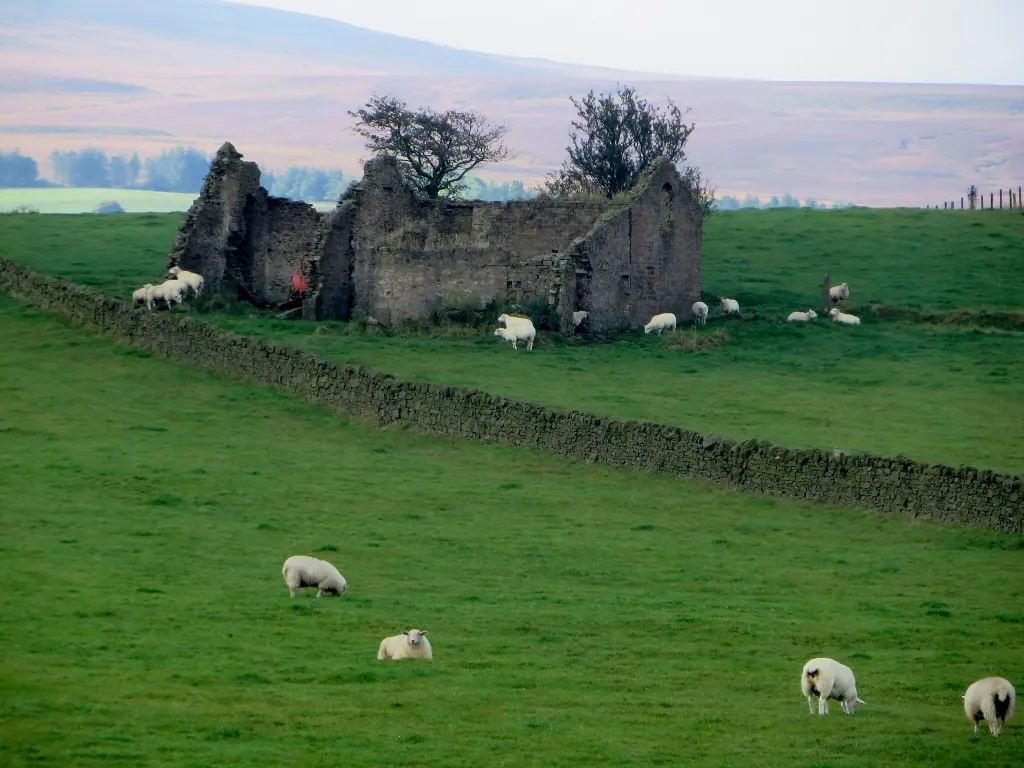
(384,252)
(896,486)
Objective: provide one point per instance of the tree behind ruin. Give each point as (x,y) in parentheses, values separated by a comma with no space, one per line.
(435,150)
(614,139)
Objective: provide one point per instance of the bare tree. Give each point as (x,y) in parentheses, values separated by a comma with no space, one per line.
(702,191)
(435,150)
(615,137)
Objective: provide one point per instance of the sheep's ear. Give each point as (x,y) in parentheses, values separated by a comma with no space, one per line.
(423,632)
(860,700)
(404,632)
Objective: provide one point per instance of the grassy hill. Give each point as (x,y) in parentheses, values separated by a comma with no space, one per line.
(579,614)
(933,393)
(84,200)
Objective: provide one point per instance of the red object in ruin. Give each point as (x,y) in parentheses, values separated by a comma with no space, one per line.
(299,282)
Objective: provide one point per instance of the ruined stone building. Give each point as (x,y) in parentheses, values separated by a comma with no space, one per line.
(385,253)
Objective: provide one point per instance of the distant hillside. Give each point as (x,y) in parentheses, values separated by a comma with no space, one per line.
(127,75)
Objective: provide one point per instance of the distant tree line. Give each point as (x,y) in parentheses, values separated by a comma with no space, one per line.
(730,203)
(17,170)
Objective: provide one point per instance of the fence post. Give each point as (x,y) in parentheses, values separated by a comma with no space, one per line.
(943,205)
(1019,205)
(961,203)
(1000,198)
(990,199)
(826,292)
(983,202)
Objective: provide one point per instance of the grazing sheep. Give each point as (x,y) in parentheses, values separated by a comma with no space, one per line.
(991,699)
(408,645)
(801,317)
(191,279)
(842,317)
(666,321)
(303,571)
(578,317)
(700,312)
(729,306)
(839,293)
(509,320)
(516,333)
(139,295)
(828,679)
(169,291)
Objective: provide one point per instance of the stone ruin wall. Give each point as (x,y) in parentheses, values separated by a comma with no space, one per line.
(385,253)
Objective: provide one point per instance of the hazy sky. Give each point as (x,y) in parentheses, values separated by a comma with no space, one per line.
(950,41)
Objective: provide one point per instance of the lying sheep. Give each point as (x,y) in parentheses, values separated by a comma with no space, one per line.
(578,317)
(139,295)
(191,279)
(700,312)
(991,699)
(839,293)
(801,317)
(666,321)
(518,332)
(828,679)
(842,317)
(168,292)
(303,571)
(408,645)
(729,306)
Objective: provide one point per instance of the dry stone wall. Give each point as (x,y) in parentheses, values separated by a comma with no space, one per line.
(889,485)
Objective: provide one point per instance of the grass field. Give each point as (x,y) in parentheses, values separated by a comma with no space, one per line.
(580,615)
(85,200)
(931,393)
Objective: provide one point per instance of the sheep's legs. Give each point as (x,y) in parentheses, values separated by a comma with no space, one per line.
(822,704)
(810,704)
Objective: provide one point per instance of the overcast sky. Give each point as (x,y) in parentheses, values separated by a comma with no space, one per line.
(946,41)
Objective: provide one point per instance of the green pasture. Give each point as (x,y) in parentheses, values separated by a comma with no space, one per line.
(580,615)
(84,200)
(933,393)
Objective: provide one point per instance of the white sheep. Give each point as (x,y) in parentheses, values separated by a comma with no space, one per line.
(828,679)
(192,279)
(516,333)
(729,306)
(408,645)
(578,317)
(666,321)
(304,571)
(839,293)
(991,699)
(842,317)
(139,295)
(509,320)
(169,291)
(700,312)
(801,317)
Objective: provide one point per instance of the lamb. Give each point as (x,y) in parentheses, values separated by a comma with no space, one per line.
(408,645)
(303,571)
(139,294)
(191,279)
(516,333)
(839,293)
(801,317)
(578,317)
(168,292)
(700,312)
(666,321)
(991,699)
(842,317)
(729,306)
(828,679)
